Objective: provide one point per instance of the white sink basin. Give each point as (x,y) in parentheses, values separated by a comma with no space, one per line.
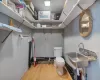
(78,60)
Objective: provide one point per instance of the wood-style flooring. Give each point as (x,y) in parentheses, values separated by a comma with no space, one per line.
(44,72)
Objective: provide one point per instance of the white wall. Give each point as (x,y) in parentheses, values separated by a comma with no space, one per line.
(13,53)
(92,42)
(46,40)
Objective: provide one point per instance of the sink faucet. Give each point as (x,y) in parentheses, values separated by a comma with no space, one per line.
(81,44)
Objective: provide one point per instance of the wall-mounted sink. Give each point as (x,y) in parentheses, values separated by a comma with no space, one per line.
(89,54)
(92,56)
(78,60)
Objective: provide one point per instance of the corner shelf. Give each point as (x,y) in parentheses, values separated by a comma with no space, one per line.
(73,7)
(48,28)
(70,14)
(9,12)
(48,21)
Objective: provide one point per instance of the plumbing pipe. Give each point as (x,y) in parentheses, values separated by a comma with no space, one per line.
(33,41)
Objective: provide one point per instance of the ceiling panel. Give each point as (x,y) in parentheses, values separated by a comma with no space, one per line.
(56,5)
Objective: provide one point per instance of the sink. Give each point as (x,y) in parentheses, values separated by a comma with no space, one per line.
(78,60)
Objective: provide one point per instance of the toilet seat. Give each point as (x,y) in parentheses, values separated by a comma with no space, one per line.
(60,62)
(60,59)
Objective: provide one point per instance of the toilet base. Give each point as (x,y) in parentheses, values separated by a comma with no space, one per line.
(60,71)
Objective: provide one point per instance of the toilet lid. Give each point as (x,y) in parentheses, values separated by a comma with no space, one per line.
(59,59)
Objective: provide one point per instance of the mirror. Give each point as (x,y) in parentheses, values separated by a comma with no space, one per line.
(85,23)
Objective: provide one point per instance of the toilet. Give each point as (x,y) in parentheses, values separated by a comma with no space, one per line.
(59,62)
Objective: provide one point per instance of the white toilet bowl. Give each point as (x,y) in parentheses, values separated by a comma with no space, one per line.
(59,63)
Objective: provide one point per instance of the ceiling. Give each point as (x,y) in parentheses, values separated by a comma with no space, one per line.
(56,5)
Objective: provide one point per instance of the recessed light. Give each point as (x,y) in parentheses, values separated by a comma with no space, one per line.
(47,3)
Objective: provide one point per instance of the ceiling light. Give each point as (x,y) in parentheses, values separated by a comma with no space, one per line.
(47,3)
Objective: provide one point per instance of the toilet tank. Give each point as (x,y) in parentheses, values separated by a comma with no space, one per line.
(57,51)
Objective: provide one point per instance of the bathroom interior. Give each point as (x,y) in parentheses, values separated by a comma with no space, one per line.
(49,39)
